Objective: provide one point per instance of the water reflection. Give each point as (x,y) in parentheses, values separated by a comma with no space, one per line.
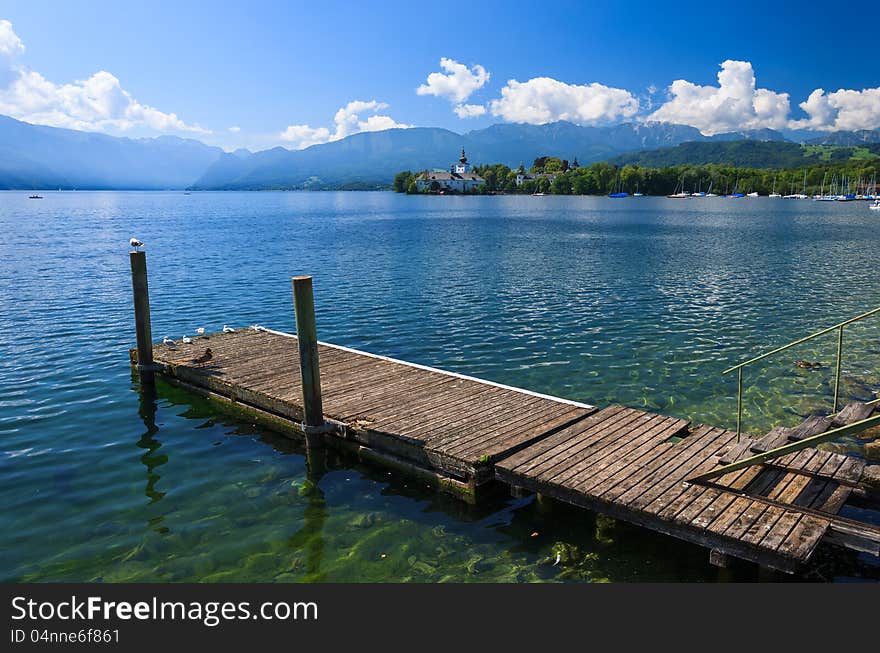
(310,536)
(147,407)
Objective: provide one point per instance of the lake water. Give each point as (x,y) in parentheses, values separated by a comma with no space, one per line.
(637,301)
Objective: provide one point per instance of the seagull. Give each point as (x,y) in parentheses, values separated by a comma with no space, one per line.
(228,329)
(134,242)
(168,341)
(187,340)
(201,331)
(257,327)
(204,358)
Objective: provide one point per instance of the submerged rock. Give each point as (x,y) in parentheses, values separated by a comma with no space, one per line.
(364,520)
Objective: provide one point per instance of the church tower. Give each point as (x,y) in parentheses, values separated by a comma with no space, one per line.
(462,166)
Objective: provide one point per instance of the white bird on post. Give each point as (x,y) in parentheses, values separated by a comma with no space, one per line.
(134,242)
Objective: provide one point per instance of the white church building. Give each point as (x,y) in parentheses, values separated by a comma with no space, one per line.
(460,178)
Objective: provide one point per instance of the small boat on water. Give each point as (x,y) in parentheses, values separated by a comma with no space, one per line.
(755,194)
(35,197)
(679,193)
(618,195)
(875,206)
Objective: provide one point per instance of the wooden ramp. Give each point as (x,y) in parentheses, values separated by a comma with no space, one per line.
(442,422)
(634,465)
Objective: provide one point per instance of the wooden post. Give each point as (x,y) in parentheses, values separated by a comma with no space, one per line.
(141,310)
(306,334)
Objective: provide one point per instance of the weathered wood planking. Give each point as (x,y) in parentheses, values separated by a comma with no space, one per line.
(444,422)
(632,465)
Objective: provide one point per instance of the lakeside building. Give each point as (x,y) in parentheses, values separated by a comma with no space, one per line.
(522,177)
(460,178)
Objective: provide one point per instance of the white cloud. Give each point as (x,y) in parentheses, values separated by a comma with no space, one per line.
(235,129)
(736,103)
(303,136)
(459,82)
(98,103)
(10,44)
(10,47)
(543,99)
(842,109)
(348,120)
(469,110)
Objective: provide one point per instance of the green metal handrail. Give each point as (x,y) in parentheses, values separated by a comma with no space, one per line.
(839,327)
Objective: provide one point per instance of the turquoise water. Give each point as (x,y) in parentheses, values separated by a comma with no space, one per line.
(637,301)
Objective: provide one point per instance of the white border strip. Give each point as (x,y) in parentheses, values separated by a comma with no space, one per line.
(439,371)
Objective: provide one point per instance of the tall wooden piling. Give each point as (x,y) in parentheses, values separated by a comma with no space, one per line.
(141,310)
(306,333)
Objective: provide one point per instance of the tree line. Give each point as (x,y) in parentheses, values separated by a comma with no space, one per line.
(605,178)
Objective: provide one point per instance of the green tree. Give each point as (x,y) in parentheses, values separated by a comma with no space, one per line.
(402,181)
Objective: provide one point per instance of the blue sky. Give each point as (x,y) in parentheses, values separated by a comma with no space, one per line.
(329,69)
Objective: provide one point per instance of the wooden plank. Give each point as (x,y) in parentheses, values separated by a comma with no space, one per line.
(803,538)
(666,463)
(762,526)
(658,495)
(526,428)
(586,443)
(479,416)
(736,452)
(559,439)
(588,431)
(810,427)
(616,467)
(781,529)
(625,441)
(495,419)
(775,438)
(855,411)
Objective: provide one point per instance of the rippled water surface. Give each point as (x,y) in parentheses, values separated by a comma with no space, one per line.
(636,301)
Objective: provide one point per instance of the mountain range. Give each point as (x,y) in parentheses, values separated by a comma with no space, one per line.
(40,157)
(750,154)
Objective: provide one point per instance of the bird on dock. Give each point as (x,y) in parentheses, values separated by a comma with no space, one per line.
(186,340)
(228,329)
(204,358)
(134,242)
(257,327)
(201,331)
(168,341)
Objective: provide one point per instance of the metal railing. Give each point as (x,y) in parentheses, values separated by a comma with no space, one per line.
(839,327)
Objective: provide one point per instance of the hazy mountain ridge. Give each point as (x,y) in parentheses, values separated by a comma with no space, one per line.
(35,156)
(370,159)
(750,154)
(39,157)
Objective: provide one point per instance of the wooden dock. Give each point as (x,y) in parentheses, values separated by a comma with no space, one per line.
(464,433)
(770,500)
(635,466)
(445,424)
